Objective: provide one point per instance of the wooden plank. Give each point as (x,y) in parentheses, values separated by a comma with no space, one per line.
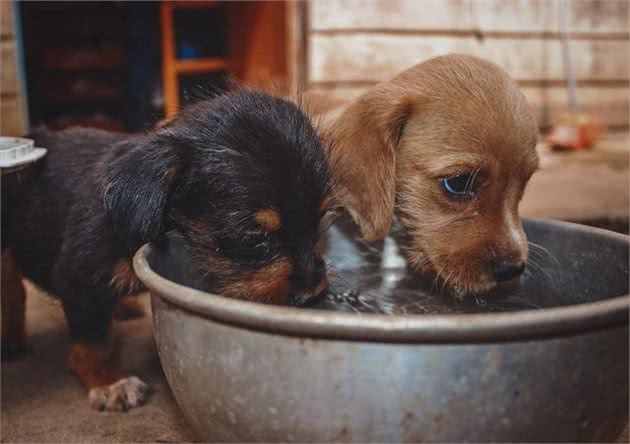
(8,68)
(296,45)
(609,103)
(195,4)
(258,57)
(11,119)
(389,14)
(542,16)
(537,16)
(376,57)
(66,58)
(599,15)
(6,19)
(169,75)
(200,65)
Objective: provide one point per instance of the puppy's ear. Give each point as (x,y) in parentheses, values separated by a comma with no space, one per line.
(137,185)
(362,151)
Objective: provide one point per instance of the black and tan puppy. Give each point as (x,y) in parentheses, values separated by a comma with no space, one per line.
(243,177)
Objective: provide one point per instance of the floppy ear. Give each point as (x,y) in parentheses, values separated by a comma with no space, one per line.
(137,185)
(363,144)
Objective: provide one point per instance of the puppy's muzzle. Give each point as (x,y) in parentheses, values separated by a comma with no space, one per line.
(303,298)
(505,270)
(309,283)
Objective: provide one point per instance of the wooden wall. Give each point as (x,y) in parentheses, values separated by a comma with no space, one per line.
(351,44)
(12,116)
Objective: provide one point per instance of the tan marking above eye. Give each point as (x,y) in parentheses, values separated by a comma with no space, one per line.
(269,219)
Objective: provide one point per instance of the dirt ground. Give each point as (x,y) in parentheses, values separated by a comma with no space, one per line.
(43,402)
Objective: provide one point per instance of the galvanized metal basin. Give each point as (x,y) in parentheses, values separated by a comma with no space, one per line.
(247,372)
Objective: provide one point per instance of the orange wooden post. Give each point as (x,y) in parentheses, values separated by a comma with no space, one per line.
(169,60)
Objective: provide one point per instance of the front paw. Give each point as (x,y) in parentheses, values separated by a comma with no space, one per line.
(122,395)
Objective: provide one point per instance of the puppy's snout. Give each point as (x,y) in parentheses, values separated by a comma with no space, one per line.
(309,281)
(303,297)
(504,270)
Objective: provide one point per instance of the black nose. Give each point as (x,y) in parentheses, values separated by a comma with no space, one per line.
(504,270)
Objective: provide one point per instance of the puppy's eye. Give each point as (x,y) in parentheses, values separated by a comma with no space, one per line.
(462,186)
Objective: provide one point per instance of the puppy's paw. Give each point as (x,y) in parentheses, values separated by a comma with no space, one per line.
(120,396)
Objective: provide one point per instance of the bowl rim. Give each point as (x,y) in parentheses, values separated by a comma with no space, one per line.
(375,327)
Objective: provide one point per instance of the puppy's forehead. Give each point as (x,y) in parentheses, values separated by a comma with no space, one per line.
(446,160)
(440,140)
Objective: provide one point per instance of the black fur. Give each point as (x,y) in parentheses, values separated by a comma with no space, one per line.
(97,196)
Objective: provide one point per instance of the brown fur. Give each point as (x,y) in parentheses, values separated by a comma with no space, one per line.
(269,219)
(447,116)
(124,280)
(128,307)
(269,284)
(13,308)
(95,364)
(327,204)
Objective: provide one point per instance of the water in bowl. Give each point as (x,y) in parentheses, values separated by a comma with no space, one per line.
(566,266)
(398,292)
(374,278)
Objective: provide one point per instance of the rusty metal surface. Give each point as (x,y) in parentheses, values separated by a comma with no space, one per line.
(248,372)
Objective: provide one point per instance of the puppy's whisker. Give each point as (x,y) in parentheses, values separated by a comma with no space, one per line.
(337,279)
(444,284)
(542,250)
(538,268)
(538,262)
(461,289)
(439,275)
(538,258)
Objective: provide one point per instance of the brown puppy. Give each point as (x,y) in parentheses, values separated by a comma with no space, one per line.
(448,146)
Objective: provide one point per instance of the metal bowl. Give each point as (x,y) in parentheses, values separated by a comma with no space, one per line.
(247,372)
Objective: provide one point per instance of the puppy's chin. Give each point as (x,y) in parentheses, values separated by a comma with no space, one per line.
(460,280)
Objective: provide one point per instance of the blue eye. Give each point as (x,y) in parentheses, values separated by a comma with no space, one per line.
(462,186)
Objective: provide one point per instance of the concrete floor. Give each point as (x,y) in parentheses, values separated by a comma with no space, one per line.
(43,402)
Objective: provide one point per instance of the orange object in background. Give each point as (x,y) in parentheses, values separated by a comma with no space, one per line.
(575,131)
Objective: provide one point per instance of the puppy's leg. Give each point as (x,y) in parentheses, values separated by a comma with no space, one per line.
(125,283)
(94,360)
(128,307)
(13,307)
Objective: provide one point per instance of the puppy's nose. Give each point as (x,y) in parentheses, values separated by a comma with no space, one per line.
(504,270)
